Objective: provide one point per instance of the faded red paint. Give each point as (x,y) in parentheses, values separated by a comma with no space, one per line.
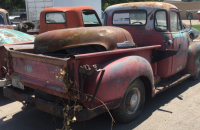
(146,35)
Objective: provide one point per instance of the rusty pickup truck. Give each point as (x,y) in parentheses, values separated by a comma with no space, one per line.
(50,19)
(80,73)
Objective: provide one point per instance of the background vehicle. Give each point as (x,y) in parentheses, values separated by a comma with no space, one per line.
(54,18)
(193,33)
(18,19)
(34,7)
(91,68)
(4,19)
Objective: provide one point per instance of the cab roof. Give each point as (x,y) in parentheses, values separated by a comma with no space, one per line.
(64,9)
(3,10)
(140,5)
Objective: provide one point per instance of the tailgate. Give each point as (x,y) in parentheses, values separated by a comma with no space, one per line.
(38,71)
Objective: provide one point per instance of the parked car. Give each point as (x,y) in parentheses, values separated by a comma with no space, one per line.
(194,33)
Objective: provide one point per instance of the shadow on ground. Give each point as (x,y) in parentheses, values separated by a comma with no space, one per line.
(35,119)
(4,100)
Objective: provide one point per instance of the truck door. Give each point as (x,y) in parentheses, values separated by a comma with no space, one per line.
(179,42)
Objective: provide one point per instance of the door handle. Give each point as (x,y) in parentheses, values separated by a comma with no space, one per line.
(170,42)
(179,46)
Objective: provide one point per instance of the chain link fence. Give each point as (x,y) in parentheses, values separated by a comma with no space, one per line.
(16,12)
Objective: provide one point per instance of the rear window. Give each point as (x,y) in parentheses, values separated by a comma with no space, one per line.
(130,18)
(57,17)
(90,18)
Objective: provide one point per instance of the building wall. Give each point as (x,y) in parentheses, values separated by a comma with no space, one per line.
(188,6)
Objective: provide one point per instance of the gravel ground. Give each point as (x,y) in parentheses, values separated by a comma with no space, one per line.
(176,109)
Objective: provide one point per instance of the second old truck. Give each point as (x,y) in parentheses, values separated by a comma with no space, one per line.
(80,73)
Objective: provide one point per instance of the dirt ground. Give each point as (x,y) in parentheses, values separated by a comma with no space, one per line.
(177,108)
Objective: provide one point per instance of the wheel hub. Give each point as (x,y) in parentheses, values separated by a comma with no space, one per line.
(132,100)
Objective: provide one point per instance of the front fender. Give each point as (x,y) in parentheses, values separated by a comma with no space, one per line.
(118,75)
(193,58)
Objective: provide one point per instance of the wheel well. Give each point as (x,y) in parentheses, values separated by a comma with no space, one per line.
(147,85)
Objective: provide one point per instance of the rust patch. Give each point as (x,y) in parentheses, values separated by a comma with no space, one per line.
(136,5)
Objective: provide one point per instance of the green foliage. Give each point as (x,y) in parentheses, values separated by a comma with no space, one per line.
(12,4)
(106,3)
(196,27)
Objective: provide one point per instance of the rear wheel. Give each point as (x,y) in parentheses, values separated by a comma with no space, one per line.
(132,103)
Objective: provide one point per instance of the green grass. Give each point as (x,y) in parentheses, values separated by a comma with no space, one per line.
(196,27)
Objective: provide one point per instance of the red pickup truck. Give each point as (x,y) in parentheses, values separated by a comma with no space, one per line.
(79,73)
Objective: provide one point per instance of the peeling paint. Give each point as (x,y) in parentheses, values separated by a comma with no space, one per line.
(8,36)
(27,68)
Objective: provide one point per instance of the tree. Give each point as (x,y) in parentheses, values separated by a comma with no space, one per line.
(12,4)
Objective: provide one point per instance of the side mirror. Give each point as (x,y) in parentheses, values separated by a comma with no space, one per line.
(189,16)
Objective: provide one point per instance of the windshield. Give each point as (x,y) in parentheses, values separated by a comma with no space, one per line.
(90,18)
(57,17)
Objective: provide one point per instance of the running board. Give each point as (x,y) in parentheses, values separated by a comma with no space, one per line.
(169,83)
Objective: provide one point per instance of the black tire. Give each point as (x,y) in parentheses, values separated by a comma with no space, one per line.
(135,91)
(197,75)
(192,36)
(30,25)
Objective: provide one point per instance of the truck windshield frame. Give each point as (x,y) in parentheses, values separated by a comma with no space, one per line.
(91,16)
(123,18)
(52,21)
(175,23)
(2,19)
(8,20)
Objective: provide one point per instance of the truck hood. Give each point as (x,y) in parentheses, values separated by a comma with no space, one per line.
(8,36)
(60,39)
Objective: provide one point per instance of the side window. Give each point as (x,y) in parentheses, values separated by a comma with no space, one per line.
(160,21)
(130,18)
(175,23)
(55,17)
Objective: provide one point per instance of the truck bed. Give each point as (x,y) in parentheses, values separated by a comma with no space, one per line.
(37,71)
(53,73)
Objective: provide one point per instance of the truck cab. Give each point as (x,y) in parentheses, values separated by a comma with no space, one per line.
(154,23)
(54,18)
(4,19)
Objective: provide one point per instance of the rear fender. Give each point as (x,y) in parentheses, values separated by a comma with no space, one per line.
(119,74)
(193,58)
